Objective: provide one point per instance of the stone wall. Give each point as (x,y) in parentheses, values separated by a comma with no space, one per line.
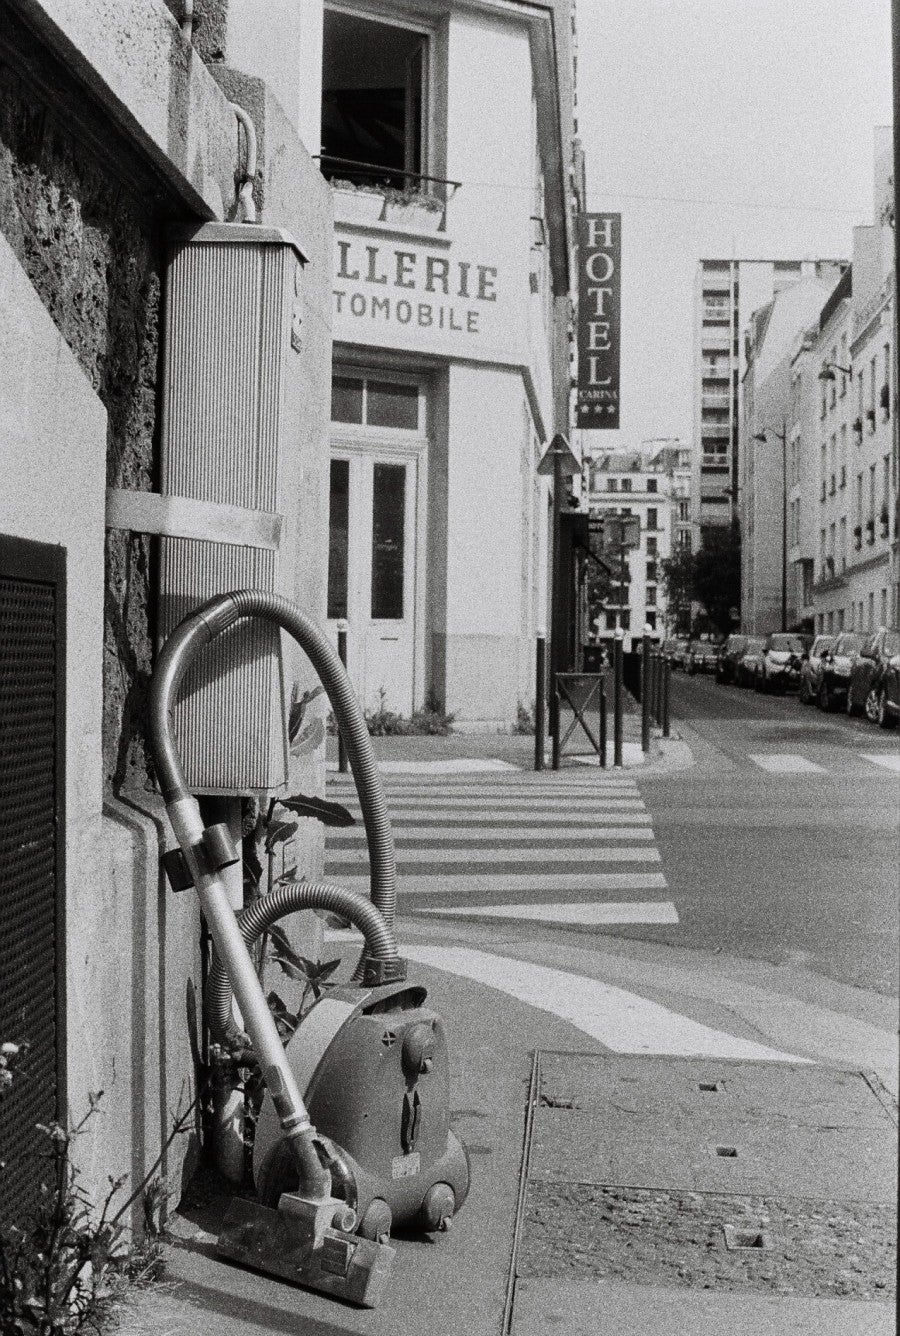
(84,222)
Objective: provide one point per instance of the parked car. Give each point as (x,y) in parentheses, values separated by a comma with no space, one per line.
(781,658)
(811,669)
(702,656)
(837,665)
(675,651)
(750,663)
(730,652)
(868,674)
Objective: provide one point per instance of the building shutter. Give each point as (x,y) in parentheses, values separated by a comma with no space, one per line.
(32,785)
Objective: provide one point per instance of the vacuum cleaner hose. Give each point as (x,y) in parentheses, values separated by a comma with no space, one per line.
(202,626)
(282,900)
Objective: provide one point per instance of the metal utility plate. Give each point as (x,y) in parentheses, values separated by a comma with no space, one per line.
(623,1188)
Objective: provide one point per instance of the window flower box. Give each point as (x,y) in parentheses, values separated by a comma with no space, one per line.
(414,209)
(357,203)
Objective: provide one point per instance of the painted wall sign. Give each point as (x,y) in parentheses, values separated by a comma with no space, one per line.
(599,319)
(378,284)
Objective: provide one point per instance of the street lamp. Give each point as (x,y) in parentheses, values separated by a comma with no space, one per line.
(782,437)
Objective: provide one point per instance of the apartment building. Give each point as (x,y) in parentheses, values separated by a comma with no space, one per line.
(844,440)
(769,596)
(651,486)
(726,293)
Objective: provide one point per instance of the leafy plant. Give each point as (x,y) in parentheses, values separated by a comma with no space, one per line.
(524,719)
(429,720)
(64,1266)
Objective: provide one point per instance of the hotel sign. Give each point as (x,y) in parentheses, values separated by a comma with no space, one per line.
(599,312)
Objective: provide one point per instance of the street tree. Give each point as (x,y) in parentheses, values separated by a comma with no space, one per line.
(717,575)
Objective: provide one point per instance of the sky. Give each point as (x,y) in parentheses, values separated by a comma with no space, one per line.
(720,128)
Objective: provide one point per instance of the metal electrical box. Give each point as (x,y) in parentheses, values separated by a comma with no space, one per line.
(231,340)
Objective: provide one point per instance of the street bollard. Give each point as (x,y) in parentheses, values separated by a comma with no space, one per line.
(645,692)
(342,655)
(556,725)
(602,726)
(653,679)
(540,701)
(617,699)
(667,683)
(660,673)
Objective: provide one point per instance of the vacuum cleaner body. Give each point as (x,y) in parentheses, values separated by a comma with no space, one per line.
(372,1064)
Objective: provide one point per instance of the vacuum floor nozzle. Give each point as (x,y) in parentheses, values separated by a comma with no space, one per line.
(345,1266)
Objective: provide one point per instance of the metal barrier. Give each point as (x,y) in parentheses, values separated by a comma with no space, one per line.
(579,691)
(540,701)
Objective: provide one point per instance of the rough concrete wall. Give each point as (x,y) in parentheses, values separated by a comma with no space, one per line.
(210,27)
(89,247)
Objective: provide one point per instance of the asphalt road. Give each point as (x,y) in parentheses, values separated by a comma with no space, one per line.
(781,842)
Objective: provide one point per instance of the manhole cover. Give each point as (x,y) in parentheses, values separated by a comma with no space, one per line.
(689,1172)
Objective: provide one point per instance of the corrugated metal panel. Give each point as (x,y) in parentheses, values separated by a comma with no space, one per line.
(228,333)
(229,718)
(31,838)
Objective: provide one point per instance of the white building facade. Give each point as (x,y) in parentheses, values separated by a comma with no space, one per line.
(651,487)
(450,372)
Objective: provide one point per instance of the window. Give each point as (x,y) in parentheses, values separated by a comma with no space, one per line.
(651,517)
(338,536)
(626,484)
(651,546)
(374,90)
(651,595)
(613,484)
(610,621)
(651,484)
(388,532)
(367,401)
(651,571)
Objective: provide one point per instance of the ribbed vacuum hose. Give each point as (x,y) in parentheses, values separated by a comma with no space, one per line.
(324,658)
(201,627)
(282,900)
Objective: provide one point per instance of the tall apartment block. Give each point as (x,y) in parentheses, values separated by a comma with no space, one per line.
(726,293)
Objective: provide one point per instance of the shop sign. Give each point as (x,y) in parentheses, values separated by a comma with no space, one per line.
(599,316)
(381,286)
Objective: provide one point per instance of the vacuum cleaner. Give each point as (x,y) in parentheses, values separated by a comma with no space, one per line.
(353,1138)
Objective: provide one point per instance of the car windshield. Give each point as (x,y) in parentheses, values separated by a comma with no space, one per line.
(786,644)
(823,643)
(848,644)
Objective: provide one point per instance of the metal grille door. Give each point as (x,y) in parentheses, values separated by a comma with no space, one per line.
(32,685)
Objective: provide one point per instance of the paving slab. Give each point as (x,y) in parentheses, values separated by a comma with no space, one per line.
(618,1309)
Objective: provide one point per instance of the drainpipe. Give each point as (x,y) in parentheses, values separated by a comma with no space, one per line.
(187,19)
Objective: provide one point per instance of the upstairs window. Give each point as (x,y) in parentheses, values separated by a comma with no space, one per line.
(374,113)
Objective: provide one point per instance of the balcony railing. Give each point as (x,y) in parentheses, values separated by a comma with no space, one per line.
(377,174)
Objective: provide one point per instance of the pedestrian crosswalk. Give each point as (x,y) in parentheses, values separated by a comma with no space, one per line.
(514,846)
(795,763)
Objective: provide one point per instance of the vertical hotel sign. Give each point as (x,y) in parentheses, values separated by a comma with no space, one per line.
(599,312)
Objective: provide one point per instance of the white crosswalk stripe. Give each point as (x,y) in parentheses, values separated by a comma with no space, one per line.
(511,847)
(828,761)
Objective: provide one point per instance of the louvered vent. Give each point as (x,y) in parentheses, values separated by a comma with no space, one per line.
(31,841)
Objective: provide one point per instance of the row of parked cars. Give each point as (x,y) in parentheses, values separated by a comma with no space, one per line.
(856,672)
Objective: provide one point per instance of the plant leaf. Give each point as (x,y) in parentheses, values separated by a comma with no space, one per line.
(253,867)
(323,809)
(279,833)
(299,707)
(309,738)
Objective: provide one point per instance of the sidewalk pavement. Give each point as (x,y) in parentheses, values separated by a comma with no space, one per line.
(486,1278)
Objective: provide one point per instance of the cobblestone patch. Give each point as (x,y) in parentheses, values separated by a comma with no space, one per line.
(818,1249)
